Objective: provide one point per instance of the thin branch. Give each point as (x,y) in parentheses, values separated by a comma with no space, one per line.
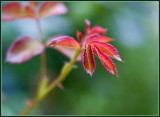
(65,70)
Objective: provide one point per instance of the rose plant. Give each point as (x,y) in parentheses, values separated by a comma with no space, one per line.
(25,47)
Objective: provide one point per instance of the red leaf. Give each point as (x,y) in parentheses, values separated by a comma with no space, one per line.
(95,37)
(88,60)
(79,35)
(64,41)
(87,27)
(66,50)
(23,49)
(14,10)
(52,9)
(106,61)
(97,30)
(107,49)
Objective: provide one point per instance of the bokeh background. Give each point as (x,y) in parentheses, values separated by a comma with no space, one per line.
(135,28)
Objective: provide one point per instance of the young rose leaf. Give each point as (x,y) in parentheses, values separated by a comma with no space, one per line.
(64,41)
(15,10)
(88,60)
(107,49)
(52,9)
(97,30)
(106,61)
(23,49)
(79,35)
(64,44)
(87,27)
(96,37)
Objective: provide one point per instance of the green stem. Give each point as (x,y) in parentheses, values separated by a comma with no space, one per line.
(43,82)
(30,107)
(43,58)
(65,70)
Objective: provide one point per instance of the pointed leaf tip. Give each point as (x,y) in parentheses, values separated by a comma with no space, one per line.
(79,35)
(87,22)
(87,26)
(106,61)
(108,49)
(65,48)
(63,41)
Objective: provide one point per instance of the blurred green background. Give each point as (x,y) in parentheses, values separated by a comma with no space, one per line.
(133,25)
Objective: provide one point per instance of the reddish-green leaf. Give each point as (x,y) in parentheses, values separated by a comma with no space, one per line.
(64,41)
(23,49)
(52,9)
(88,60)
(107,49)
(15,10)
(106,61)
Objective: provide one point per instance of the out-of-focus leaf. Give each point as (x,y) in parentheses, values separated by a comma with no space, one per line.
(15,10)
(79,35)
(52,9)
(33,4)
(23,49)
